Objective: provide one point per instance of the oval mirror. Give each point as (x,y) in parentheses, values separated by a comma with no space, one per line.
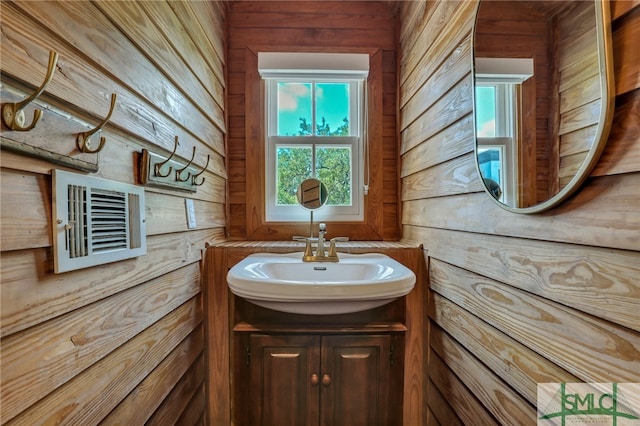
(312,194)
(543,97)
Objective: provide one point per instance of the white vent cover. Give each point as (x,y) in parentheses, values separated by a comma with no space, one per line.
(95,221)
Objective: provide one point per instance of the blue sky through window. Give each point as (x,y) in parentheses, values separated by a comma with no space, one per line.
(294,101)
(486,111)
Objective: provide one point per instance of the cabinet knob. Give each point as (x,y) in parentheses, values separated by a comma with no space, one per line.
(326,380)
(315,379)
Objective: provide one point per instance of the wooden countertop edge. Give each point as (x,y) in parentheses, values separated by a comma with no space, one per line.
(383,327)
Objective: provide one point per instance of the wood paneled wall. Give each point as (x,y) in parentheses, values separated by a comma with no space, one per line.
(122,343)
(314,26)
(579,88)
(515,300)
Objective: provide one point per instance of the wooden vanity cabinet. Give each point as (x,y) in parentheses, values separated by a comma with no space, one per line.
(321,379)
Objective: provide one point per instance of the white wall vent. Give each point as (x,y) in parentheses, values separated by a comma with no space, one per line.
(95,221)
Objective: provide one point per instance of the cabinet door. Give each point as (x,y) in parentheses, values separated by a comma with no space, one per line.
(354,380)
(284,390)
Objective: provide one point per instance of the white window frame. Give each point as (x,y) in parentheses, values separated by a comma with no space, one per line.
(506,130)
(295,213)
(507,176)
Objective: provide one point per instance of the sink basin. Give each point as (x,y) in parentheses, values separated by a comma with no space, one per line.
(284,282)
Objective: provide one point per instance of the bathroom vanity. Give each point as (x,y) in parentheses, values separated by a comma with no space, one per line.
(301,377)
(297,369)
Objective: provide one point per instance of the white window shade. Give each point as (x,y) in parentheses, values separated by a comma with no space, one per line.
(503,70)
(297,64)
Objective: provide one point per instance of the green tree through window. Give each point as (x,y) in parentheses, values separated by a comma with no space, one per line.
(333,167)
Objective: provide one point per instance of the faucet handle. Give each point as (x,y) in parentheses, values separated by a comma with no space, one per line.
(336,239)
(332,246)
(322,227)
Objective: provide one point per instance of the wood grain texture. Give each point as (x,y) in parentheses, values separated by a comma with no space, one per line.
(168,214)
(458,176)
(622,152)
(147,34)
(109,336)
(192,414)
(83,399)
(217,329)
(516,364)
(415,362)
(88,86)
(453,69)
(25,228)
(207,67)
(451,142)
(626,30)
(449,27)
(585,278)
(209,40)
(495,394)
(31,228)
(463,403)
(443,113)
(68,344)
(184,402)
(620,7)
(32,295)
(364,27)
(518,292)
(439,408)
(143,401)
(600,352)
(611,199)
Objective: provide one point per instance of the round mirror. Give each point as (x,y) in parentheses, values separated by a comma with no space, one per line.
(543,98)
(312,194)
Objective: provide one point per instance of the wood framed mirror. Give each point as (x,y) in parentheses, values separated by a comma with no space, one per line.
(543,98)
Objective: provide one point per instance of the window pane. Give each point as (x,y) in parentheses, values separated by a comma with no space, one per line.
(294,109)
(333,168)
(332,109)
(486,111)
(490,163)
(293,165)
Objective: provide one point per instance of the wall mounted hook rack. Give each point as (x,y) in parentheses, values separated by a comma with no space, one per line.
(83,141)
(13,114)
(183,179)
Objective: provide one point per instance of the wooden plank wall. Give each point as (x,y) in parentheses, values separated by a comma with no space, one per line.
(345,26)
(579,88)
(121,343)
(515,300)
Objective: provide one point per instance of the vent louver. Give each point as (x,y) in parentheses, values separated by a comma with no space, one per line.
(96,221)
(109,220)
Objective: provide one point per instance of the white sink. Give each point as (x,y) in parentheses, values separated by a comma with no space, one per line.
(284,282)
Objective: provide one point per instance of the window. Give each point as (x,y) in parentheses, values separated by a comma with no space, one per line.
(498,84)
(314,129)
(496,132)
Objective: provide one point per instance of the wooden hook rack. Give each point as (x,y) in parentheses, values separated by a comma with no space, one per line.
(151,175)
